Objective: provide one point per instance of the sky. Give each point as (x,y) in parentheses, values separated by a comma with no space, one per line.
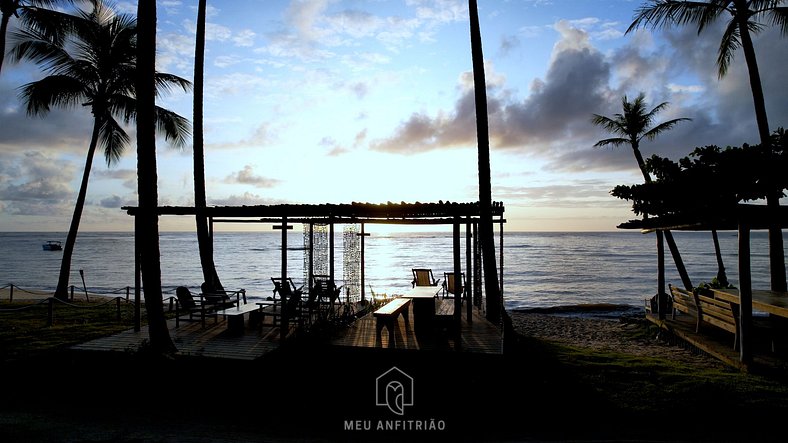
(328,101)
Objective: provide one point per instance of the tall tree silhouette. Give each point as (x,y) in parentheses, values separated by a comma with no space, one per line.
(147,220)
(630,127)
(204,240)
(10,8)
(93,64)
(744,16)
(491,287)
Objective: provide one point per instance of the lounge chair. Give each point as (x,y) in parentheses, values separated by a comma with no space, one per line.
(327,294)
(222,299)
(184,301)
(285,296)
(448,285)
(423,277)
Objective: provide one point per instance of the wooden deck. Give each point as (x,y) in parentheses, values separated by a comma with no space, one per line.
(192,340)
(719,343)
(479,336)
(215,341)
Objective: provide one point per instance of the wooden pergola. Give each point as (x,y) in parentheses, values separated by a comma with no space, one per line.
(745,218)
(440,213)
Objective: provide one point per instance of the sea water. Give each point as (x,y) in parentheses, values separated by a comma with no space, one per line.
(540,270)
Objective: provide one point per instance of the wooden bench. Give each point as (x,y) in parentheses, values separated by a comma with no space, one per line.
(706,308)
(387,316)
(235,316)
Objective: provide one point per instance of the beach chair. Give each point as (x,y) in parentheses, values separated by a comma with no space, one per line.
(327,294)
(185,301)
(448,288)
(221,299)
(423,277)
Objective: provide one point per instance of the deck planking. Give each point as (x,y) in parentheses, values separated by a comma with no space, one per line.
(479,336)
(214,341)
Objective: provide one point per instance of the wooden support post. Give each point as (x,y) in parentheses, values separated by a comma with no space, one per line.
(745,294)
(137,278)
(661,296)
(311,255)
(11,295)
(331,249)
(468,268)
(363,280)
(500,269)
(284,324)
(457,273)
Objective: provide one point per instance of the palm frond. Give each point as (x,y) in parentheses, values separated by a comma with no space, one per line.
(54,90)
(611,141)
(778,16)
(652,133)
(166,83)
(729,43)
(661,14)
(113,139)
(176,129)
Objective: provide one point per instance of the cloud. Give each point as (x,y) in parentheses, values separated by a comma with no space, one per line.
(34,183)
(113,202)
(579,194)
(246,199)
(127,176)
(247,177)
(553,121)
(261,136)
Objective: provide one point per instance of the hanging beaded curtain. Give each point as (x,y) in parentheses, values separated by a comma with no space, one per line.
(351,263)
(320,251)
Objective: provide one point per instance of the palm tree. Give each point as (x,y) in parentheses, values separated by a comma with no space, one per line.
(630,127)
(204,240)
(743,23)
(147,222)
(96,67)
(491,288)
(11,8)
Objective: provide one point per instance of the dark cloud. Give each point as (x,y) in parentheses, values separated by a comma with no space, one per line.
(128,176)
(553,121)
(113,202)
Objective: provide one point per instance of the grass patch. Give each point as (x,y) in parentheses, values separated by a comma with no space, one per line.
(25,330)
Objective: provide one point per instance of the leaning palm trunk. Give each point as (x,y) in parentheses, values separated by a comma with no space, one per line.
(491,288)
(61,292)
(776,252)
(204,240)
(147,221)
(674,250)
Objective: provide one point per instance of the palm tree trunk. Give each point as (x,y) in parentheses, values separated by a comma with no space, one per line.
(776,251)
(491,288)
(147,221)
(674,250)
(3,29)
(722,278)
(61,291)
(204,240)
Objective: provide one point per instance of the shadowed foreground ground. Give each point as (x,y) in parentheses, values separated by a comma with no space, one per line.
(537,391)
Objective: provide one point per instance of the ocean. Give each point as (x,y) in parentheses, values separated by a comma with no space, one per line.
(540,270)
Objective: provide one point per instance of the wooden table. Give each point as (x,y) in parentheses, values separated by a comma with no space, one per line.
(235,317)
(423,307)
(771,302)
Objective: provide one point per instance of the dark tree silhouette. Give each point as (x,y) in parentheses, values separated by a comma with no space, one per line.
(147,221)
(10,8)
(632,126)
(491,287)
(744,16)
(93,62)
(204,240)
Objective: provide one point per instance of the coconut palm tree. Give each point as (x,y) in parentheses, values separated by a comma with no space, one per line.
(94,65)
(204,241)
(487,236)
(147,222)
(630,128)
(746,17)
(10,8)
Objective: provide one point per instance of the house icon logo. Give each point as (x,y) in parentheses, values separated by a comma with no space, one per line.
(394,389)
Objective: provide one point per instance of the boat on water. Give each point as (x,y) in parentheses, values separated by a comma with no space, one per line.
(52,245)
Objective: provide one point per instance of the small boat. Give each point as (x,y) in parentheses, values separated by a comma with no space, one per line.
(52,245)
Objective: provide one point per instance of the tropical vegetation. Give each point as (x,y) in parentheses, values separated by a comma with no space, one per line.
(745,19)
(90,60)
